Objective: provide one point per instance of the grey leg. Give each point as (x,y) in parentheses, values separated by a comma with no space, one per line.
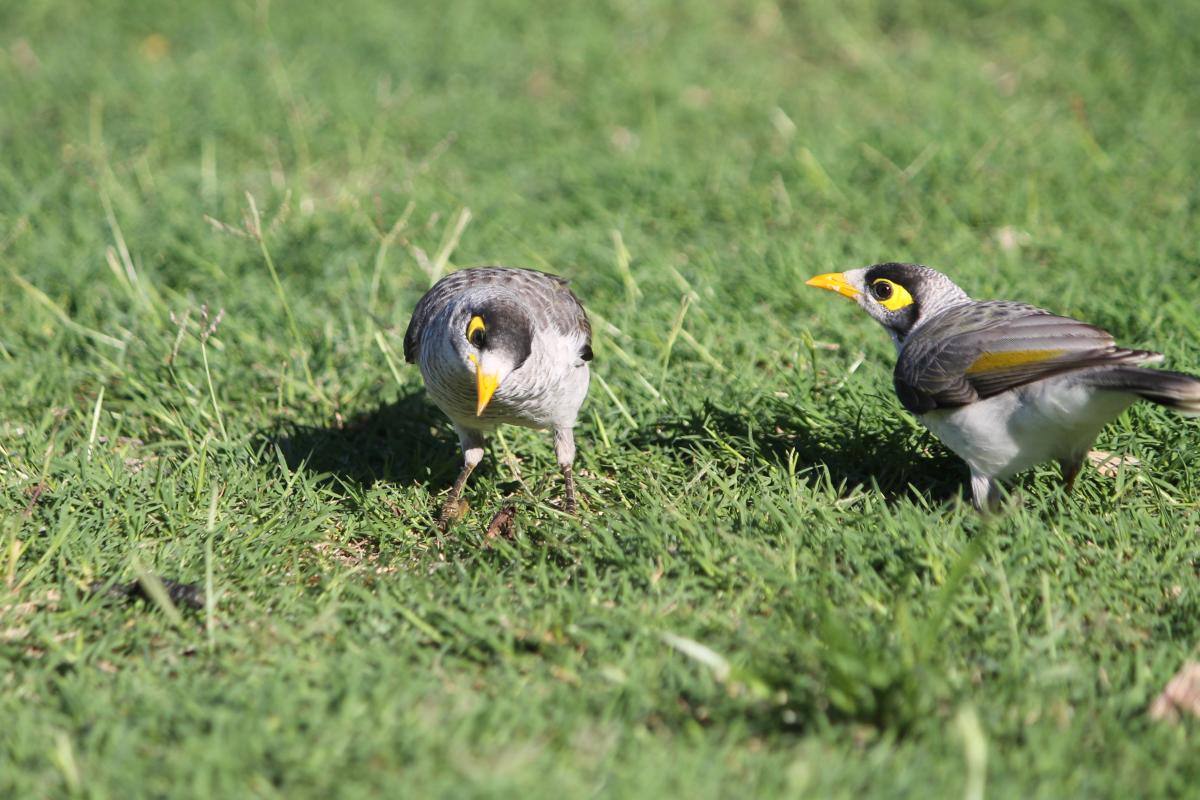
(472,447)
(1070,470)
(986,492)
(564,449)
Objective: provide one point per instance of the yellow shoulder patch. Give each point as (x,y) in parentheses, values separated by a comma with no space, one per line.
(1011,358)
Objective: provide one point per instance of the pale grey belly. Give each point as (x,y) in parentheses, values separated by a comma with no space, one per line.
(1048,420)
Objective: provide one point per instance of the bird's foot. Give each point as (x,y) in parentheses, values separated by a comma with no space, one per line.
(502,523)
(452,511)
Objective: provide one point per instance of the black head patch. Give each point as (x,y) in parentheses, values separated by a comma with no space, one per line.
(885,283)
(910,276)
(506,329)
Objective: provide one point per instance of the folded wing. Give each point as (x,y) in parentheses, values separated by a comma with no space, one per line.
(978,350)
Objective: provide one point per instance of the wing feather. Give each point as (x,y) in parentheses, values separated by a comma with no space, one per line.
(978,350)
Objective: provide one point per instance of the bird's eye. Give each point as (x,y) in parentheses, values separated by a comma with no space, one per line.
(476,331)
(891,296)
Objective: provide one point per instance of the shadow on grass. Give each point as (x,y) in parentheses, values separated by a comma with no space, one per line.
(401,442)
(408,441)
(871,451)
(405,442)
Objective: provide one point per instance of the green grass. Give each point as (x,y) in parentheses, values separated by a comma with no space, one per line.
(750,483)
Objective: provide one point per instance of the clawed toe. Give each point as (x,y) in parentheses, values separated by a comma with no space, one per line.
(452,511)
(502,523)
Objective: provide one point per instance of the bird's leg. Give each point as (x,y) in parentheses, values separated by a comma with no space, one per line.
(986,493)
(1070,471)
(472,447)
(451,504)
(569,478)
(564,449)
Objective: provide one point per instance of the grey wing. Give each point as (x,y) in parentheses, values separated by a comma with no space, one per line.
(412,334)
(569,316)
(979,350)
(553,301)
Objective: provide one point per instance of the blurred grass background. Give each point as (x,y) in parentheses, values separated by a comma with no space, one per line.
(773,588)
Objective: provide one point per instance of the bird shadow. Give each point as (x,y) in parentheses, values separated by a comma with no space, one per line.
(404,441)
(870,451)
(407,441)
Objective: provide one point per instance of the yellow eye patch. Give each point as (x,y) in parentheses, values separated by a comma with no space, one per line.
(476,324)
(890,295)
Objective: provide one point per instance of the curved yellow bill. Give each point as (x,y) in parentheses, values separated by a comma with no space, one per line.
(834,282)
(485,387)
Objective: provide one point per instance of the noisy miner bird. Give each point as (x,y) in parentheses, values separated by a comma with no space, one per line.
(1004,385)
(496,346)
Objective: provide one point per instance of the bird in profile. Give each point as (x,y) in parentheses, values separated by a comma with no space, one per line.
(1004,385)
(503,346)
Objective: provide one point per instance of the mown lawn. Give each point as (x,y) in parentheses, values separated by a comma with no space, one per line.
(775,587)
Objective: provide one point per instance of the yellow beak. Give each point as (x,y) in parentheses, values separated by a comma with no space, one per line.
(834,282)
(485,386)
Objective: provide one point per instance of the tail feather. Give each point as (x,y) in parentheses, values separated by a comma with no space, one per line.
(1175,390)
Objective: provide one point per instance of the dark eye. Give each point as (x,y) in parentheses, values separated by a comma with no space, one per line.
(476,331)
(882,290)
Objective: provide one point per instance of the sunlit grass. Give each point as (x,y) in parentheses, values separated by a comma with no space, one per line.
(215,221)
